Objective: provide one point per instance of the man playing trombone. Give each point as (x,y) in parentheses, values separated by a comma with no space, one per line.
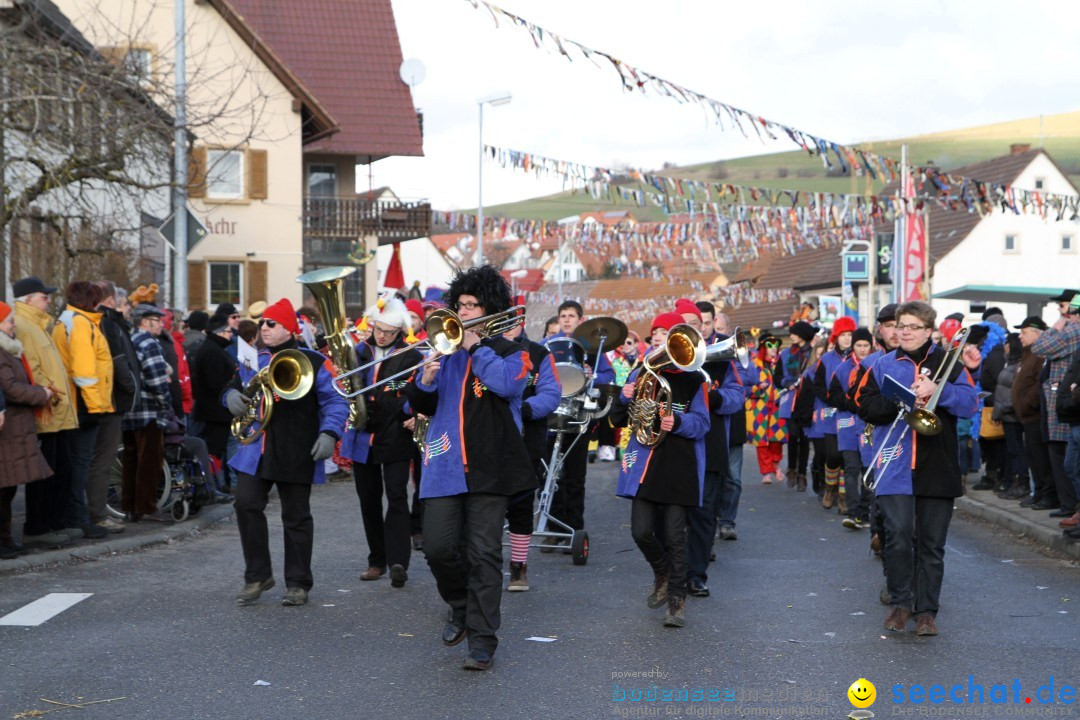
(474,459)
(918,474)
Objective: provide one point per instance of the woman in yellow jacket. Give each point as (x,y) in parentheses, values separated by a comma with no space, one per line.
(86,355)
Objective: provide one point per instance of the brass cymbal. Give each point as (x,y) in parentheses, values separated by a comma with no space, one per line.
(590,332)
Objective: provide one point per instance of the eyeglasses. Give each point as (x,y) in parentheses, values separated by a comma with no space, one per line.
(913,327)
(268,323)
(468,305)
(384,331)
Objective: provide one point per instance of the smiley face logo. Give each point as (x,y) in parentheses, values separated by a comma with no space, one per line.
(862,693)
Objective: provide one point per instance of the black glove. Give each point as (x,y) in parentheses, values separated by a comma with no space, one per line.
(526,411)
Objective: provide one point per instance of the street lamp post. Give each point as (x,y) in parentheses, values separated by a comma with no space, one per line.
(494,100)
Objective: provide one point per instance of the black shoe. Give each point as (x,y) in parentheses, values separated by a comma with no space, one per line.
(1073,533)
(13,547)
(1044,504)
(398,576)
(94,532)
(1028,501)
(983,484)
(452,633)
(479,660)
(1062,512)
(696,588)
(7,553)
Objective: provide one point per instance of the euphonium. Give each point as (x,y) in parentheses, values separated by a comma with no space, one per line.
(419,433)
(288,376)
(327,286)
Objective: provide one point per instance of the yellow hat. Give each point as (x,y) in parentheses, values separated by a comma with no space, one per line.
(256,309)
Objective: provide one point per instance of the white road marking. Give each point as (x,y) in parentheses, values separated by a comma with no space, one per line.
(43,609)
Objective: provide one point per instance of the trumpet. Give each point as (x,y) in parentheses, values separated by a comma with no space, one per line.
(684,349)
(288,376)
(445,331)
(920,419)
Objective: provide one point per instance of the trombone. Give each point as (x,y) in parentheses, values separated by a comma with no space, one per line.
(921,419)
(685,349)
(445,331)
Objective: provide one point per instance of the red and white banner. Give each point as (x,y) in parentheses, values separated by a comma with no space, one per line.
(915,250)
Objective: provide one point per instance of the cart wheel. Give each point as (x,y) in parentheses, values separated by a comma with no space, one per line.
(579,547)
(180,510)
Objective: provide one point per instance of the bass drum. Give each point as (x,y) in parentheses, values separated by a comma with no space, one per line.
(569,356)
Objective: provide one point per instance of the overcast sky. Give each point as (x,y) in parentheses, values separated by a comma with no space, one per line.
(846,70)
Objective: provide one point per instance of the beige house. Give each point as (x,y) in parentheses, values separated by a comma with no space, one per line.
(284,106)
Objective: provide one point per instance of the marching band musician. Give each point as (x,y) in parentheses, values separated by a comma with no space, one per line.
(382,450)
(849,428)
(794,360)
(290,455)
(474,461)
(416,514)
(667,479)
(916,489)
(825,413)
(542,395)
(726,399)
(568,504)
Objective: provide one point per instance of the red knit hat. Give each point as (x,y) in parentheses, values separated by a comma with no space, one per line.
(687,307)
(282,313)
(415,306)
(842,325)
(666,320)
(5,310)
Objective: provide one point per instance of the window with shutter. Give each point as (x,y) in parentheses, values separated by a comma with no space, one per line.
(256,284)
(257,175)
(196,285)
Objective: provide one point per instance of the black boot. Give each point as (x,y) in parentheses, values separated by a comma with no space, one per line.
(676,612)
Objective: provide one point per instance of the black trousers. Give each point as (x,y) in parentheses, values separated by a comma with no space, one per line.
(1038,456)
(568,504)
(463,546)
(47,500)
(416,515)
(388,538)
(1014,450)
(993,454)
(1065,492)
(250,504)
(701,523)
(833,458)
(915,531)
(668,556)
(798,449)
(817,469)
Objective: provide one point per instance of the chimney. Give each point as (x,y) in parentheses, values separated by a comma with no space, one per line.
(1017,148)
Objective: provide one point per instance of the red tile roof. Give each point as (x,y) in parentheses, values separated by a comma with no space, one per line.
(347,53)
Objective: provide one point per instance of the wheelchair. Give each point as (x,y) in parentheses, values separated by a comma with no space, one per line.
(183,488)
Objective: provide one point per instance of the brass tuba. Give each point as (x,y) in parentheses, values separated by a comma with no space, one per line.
(327,286)
(686,350)
(288,376)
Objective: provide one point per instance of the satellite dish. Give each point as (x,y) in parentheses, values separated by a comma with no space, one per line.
(412,72)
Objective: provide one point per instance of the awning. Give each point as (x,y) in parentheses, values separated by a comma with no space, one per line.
(1000,293)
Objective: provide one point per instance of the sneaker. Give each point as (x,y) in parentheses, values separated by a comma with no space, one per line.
(111,526)
(294,597)
(479,660)
(398,576)
(658,595)
(519,578)
(727,532)
(74,533)
(676,612)
(863,524)
(46,540)
(767,479)
(251,591)
(781,477)
(94,532)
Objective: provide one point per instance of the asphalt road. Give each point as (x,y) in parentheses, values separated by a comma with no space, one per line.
(794,610)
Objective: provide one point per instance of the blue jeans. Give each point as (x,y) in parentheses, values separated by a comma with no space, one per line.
(731,487)
(1072,458)
(81,444)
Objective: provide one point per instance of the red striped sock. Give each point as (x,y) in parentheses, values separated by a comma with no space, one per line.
(519,548)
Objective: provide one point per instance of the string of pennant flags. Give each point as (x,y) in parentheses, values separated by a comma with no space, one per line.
(726,233)
(946,190)
(634,79)
(647,308)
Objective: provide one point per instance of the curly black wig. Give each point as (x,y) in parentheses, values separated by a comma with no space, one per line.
(485,284)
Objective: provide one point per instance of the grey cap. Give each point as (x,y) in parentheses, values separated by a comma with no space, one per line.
(143,310)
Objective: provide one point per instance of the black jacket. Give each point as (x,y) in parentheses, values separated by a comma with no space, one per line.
(991,368)
(169,351)
(716,443)
(126,374)
(390,441)
(212,368)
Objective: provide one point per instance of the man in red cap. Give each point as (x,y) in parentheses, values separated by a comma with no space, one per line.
(415,311)
(666,479)
(302,433)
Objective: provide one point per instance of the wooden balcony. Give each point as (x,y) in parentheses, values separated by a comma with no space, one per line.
(352,218)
